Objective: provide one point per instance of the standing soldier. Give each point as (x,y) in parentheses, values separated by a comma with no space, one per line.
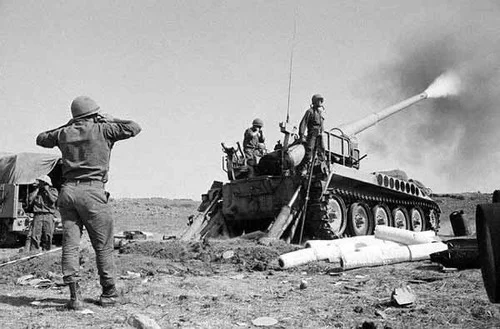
(313,122)
(42,203)
(85,143)
(253,144)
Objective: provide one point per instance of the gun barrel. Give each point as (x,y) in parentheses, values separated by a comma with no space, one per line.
(358,126)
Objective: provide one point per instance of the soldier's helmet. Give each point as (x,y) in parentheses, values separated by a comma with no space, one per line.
(46,179)
(83,106)
(258,122)
(317,98)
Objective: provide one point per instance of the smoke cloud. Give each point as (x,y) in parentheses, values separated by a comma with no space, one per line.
(446,85)
(456,136)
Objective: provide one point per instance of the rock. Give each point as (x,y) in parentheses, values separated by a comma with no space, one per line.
(141,321)
(264,321)
(303,284)
(131,275)
(403,296)
(228,254)
(381,314)
(85,311)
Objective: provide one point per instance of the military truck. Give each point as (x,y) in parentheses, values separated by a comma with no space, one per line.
(17,174)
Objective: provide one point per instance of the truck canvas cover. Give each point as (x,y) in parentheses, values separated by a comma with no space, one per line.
(26,167)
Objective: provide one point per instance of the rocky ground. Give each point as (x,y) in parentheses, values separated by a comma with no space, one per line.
(233,283)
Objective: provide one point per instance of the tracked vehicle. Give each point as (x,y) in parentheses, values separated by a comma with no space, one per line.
(335,198)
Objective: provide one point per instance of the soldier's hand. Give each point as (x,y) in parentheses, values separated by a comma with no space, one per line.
(106,117)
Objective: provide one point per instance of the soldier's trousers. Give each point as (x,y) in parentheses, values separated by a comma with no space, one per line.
(85,204)
(42,232)
(314,140)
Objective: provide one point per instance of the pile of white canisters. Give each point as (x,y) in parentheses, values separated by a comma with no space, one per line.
(389,245)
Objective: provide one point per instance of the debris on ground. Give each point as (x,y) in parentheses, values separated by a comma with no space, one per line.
(141,321)
(20,259)
(130,275)
(85,311)
(389,245)
(403,296)
(264,321)
(125,237)
(33,281)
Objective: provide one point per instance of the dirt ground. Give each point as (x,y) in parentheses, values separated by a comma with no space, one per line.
(228,284)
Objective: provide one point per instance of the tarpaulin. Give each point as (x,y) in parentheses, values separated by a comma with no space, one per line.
(25,168)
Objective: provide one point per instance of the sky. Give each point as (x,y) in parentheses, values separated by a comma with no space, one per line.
(195,73)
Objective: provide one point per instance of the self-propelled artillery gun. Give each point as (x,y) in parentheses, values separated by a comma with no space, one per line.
(334,199)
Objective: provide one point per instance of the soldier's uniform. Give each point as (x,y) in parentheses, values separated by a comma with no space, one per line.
(42,203)
(86,143)
(313,122)
(253,144)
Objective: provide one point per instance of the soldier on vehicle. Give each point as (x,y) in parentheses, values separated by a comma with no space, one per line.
(313,122)
(85,143)
(42,203)
(253,143)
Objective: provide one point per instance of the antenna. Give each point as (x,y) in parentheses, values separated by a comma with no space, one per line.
(291,67)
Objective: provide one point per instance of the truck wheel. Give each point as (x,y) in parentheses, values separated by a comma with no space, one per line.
(488,238)
(360,220)
(417,221)
(401,218)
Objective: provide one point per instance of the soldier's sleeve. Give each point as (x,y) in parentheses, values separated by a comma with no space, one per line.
(32,196)
(52,194)
(303,123)
(47,138)
(247,137)
(120,129)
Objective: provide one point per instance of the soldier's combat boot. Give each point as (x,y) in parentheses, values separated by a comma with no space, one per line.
(109,296)
(75,301)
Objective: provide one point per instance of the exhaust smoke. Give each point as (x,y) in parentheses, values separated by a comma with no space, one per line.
(447,84)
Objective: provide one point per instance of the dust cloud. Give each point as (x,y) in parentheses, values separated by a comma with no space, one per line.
(456,137)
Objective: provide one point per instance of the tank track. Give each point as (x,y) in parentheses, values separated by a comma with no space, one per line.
(319,221)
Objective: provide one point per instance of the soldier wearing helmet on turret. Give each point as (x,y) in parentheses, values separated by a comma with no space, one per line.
(313,122)
(85,143)
(253,142)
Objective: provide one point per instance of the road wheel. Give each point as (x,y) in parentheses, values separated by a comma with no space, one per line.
(417,220)
(360,219)
(336,215)
(434,219)
(488,233)
(401,218)
(382,215)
